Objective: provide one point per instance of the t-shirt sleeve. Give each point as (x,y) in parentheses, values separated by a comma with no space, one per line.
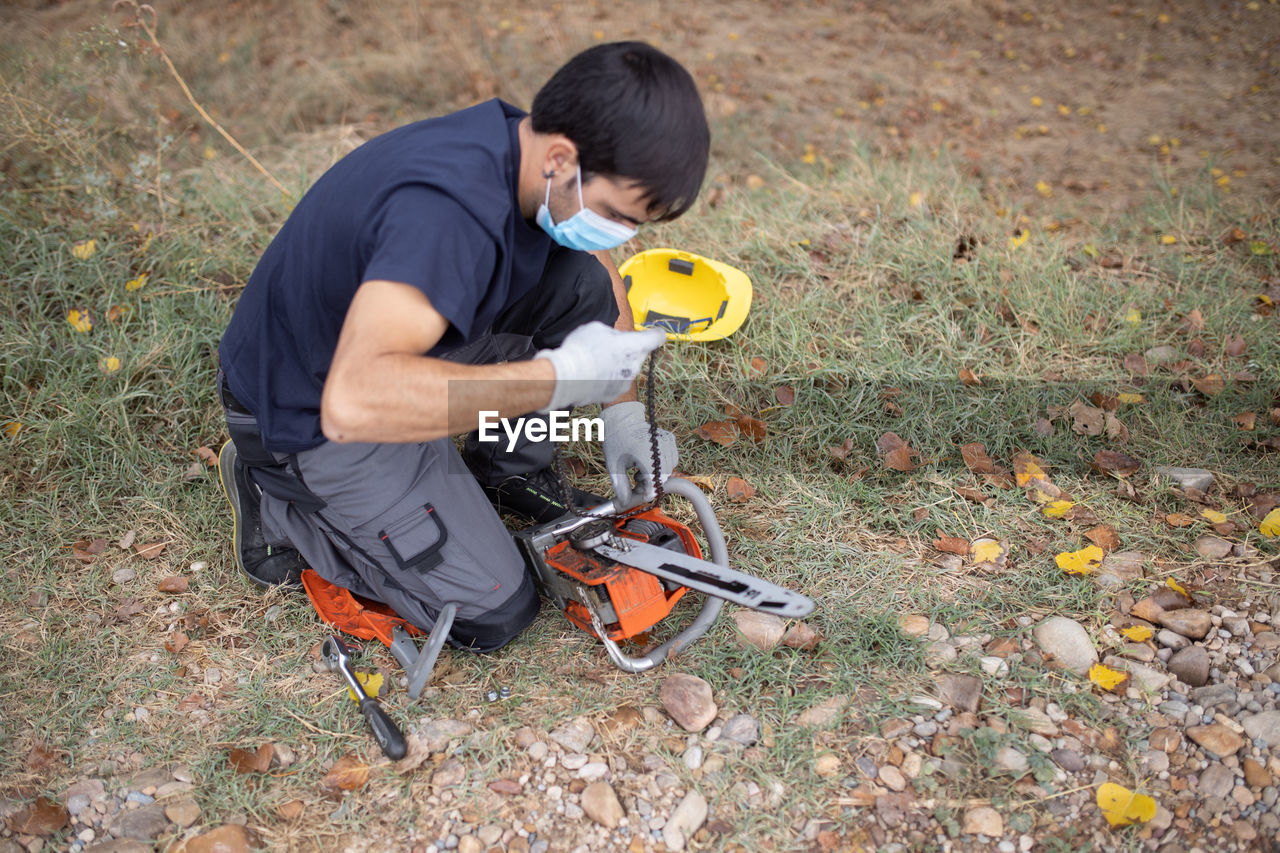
(424,238)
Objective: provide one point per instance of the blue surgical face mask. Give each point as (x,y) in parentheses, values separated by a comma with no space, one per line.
(586,230)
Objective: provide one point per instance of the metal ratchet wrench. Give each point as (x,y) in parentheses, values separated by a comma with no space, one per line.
(385,731)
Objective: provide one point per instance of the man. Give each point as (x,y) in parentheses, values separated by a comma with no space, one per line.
(452,266)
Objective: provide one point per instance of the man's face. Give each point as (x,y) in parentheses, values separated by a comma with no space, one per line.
(620,200)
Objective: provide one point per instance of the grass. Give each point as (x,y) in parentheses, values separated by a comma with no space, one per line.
(859,304)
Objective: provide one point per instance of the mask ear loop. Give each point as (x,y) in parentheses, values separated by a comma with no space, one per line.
(581,204)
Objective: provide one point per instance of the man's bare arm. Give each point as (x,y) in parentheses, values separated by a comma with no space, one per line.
(380,387)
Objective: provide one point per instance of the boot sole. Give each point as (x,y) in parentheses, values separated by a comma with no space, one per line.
(227,477)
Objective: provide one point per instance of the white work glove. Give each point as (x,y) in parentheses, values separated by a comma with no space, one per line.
(597,363)
(626,446)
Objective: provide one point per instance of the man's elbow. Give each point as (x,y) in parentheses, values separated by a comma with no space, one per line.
(340,418)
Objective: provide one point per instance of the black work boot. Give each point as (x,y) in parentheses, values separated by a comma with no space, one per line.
(266,565)
(537,497)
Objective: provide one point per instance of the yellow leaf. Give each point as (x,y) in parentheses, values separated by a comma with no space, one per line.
(1133,317)
(80,320)
(1130,399)
(915,199)
(1213,516)
(1080,562)
(1271,524)
(1040,496)
(110,364)
(986,551)
(1031,471)
(1258,247)
(1176,587)
(371,682)
(1057,509)
(1019,237)
(1091,250)
(809,157)
(85,249)
(210,152)
(1137,633)
(136,283)
(1036,100)
(1106,677)
(1121,807)
(1168,239)
(1044,189)
(12,428)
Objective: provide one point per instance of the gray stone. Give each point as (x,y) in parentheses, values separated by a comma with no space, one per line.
(1191,665)
(1213,695)
(687,818)
(1191,623)
(600,802)
(575,735)
(1010,760)
(1149,679)
(1068,759)
(145,824)
(1067,642)
(741,728)
(962,691)
(1264,727)
(1161,355)
(1171,640)
(1216,781)
(1187,478)
(1212,547)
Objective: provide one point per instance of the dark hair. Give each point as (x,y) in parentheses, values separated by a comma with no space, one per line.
(634,113)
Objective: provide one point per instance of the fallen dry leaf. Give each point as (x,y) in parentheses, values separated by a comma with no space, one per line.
(740,491)
(42,755)
(1114,463)
(149,552)
(974,495)
(347,774)
(1107,678)
(895,452)
(249,760)
(1027,468)
(1178,519)
(43,817)
(988,551)
(1082,562)
(752,428)
(509,787)
(1245,421)
(968,377)
(1086,419)
(801,636)
(1104,536)
(176,642)
(174,585)
(207,456)
(701,481)
(976,458)
(843,451)
(785,395)
(721,432)
(952,545)
(1121,807)
(759,365)
(1211,385)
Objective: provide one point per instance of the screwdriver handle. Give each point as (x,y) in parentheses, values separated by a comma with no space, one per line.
(385,731)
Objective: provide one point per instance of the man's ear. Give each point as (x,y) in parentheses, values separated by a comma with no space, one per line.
(561,155)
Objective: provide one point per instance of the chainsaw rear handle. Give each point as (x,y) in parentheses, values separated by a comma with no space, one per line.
(710,609)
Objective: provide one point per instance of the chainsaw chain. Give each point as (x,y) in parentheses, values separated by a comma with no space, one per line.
(562,480)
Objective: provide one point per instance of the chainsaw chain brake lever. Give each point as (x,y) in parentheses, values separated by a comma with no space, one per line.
(387,734)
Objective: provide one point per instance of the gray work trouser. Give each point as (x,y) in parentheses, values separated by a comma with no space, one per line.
(408,524)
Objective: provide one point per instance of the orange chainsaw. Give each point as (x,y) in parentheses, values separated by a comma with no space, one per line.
(615,576)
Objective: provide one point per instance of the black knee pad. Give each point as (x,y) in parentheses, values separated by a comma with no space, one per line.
(499,626)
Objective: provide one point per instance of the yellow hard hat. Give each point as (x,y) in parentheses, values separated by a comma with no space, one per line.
(693,298)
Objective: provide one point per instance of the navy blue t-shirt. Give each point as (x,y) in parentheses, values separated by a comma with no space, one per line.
(432,204)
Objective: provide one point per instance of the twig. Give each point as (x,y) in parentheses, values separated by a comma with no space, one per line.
(149,29)
(316,729)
